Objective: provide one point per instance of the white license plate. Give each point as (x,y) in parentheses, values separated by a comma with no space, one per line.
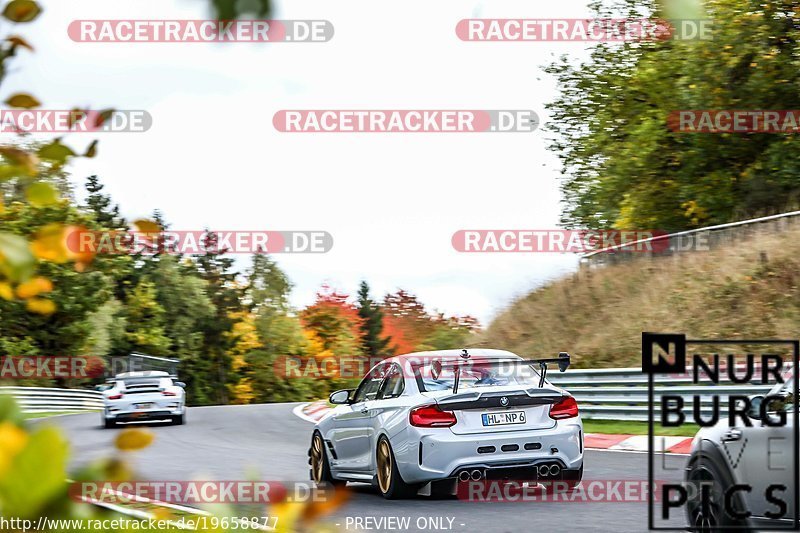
(502,419)
(143,406)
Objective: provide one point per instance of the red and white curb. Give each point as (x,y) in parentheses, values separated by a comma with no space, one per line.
(314,411)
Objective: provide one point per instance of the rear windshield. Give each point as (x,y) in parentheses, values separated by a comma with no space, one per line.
(476,375)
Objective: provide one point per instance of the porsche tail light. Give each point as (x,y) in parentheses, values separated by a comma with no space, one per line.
(169,393)
(430,416)
(566,408)
(115,397)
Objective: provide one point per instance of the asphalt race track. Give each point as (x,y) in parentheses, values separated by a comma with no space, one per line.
(268,441)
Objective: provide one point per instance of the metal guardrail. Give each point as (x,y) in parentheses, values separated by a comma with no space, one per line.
(605,394)
(621,393)
(43,399)
(690,240)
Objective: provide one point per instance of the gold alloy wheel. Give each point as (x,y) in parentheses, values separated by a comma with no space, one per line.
(316,458)
(384,460)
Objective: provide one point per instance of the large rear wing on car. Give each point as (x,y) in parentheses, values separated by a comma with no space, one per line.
(563,361)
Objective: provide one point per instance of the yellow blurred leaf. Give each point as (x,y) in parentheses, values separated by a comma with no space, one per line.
(34,287)
(23,100)
(76,249)
(6,292)
(146,226)
(40,306)
(22,161)
(59,244)
(161,513)
(49,244)
(16,260)
(40,194)
(56,152)
(133,439)
(12,441)
(22,10)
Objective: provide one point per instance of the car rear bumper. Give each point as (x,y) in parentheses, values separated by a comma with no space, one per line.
(150,414)
(437,453)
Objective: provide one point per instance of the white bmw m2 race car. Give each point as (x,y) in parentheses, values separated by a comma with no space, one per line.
(140,396)
(424,421)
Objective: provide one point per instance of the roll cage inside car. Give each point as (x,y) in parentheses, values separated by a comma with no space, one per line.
(384,381)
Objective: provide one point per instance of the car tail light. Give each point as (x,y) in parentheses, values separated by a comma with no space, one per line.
(566,408)
(115,397)
(169,393)
(430,416)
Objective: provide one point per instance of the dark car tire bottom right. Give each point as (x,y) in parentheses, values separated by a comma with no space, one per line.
(708,470)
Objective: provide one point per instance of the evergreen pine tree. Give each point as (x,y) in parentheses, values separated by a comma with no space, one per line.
(371,325)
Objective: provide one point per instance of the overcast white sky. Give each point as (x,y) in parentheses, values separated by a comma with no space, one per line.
(391,201)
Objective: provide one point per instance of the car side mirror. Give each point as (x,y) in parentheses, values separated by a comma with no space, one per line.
(563,361)
(755,407)
(340,397)
(180,384)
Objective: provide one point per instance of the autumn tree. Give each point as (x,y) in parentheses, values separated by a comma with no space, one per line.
(215,267)
(406,321)
(624,166)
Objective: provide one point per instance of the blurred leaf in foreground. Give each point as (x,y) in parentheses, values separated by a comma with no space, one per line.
(16,259)
(37,472)
(133,439)
(23,100)
(34,287)
(40,194)
(40,306)
(22,10)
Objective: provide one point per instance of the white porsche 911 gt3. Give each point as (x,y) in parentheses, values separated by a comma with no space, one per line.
(421,422)
(139,396)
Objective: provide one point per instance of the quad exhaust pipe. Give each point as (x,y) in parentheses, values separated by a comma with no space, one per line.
(474,475)
(549,470)
(545,471)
